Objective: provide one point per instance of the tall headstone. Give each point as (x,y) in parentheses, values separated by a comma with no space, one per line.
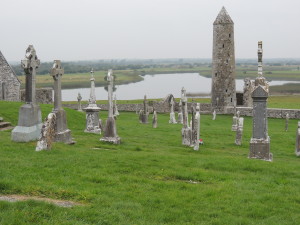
(180,118)
(297,150)
(93,122)
(115,108)
(110,131)
(62,133)
(223,63)
(186,131)
(172,113)
(234,120)
(196,128)
(30,120)
(145,113)
(239,129)
(154,119)
(79,98)
(47,133)
(260,141)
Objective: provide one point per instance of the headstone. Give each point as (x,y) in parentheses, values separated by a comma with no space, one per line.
(47,133)
(186,131)
(239,129)
(234,121)
(136,108)
(79,98)
(197,128)
(180,118)
(172,113)
(110,131)
(116,111)
(62,133)
(248,89)
(214,115)
(30,120)
(223,63)
(298,140)
(287,117)
(145,113)
(260,141)
(154,119)
(93,122)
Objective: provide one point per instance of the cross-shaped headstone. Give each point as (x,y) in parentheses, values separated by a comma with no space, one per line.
(56,72)
(110,80)
(30,64)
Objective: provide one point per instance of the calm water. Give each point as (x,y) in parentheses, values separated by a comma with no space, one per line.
(156,86)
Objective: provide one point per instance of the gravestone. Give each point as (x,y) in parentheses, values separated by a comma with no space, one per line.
(154,119)
(47,133)
(110,131)
(298,140)
(30,120)
(116,111)
(186,131)
(287,117)
(260,141)
(180,118)
(239,129)
(145,113)
(248,89)
(172,113)
(197,128)
(234,120)
(214,115)
(79,98)
(62,133)
(93,122)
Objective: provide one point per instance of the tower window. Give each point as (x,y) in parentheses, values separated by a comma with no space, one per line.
(226,90)
(229,35)
(216,74)
(231,99)
(223,45)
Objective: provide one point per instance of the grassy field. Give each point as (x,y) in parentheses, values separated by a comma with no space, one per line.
(151,178)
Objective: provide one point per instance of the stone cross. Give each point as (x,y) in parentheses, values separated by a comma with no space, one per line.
(239,129)
(234,120)
(116,111)
(287,117)
(30,64)
(110,80)
(298,140)
(260,54)
(92,99)
(56,72)
(260,141)
(79,98)
(184,105)
(197,127)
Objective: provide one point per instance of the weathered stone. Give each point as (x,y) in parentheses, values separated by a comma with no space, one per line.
(172,113)
(9,82)
(186,131)
(223,65)
(287,122)
(248,89)
(115,108)
(93,122)
(144,114)
(47,133)
(297,151)
(79,98)
(180,118)
(196,128)
(154,120)
(239,129)
(214,115)
(42,95)
(234,120)
(62,133)
(110,131)
(260,141)
(30,121)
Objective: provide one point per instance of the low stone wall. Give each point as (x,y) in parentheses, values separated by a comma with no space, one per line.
(43,95)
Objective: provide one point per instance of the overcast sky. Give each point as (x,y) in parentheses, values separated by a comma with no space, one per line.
(105,29)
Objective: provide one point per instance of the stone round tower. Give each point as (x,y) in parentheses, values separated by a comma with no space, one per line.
(223,92)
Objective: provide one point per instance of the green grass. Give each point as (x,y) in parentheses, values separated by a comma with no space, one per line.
(148,178)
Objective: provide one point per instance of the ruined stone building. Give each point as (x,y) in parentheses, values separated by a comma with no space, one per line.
(9,82)
(223,90)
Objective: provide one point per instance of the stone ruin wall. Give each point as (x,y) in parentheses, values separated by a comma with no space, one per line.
(9,83)
(43,95)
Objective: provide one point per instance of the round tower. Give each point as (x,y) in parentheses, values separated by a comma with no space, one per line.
(223,92)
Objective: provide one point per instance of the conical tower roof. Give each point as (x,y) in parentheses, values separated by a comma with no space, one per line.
(223,17)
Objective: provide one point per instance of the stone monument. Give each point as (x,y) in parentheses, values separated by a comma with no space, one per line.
(186,132)
(214,115)
(234,120)
(115,108)
(144,114)
(239,129)
(260,141)
(180,118)
(287,117)
(248,89)
(110,131)
(223,63)
(93,122)
(47,133)
(297,151)
(172,113)
(154,119)
(196,128)
(62,133)
(79,98)
(30,120)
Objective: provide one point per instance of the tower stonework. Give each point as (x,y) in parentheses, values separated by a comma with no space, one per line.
(223,92)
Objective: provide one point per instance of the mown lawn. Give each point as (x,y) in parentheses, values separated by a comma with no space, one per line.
(151,178)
